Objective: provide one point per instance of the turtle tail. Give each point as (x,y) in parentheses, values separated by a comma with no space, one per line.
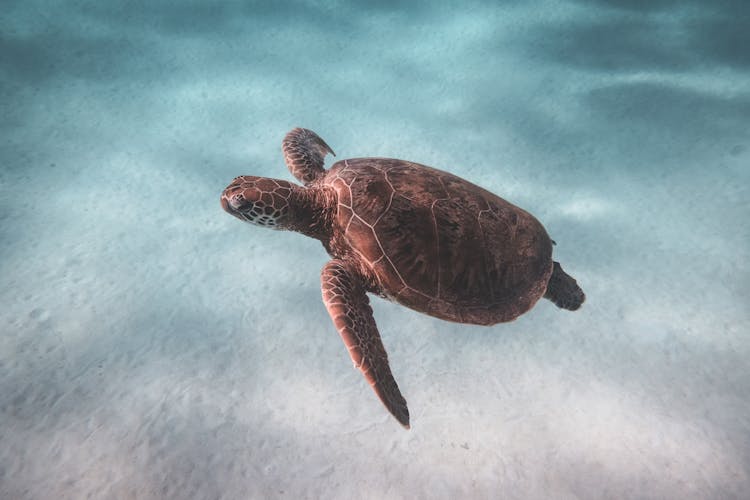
(563,290)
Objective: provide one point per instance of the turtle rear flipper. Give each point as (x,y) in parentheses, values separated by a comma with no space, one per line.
(563,290)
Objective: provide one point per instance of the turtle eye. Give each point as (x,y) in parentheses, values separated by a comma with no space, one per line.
(237,201)
(232,200)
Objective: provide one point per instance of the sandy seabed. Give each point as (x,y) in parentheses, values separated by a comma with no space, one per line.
(151,346)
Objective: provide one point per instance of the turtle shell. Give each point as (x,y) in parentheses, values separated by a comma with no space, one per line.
(437,243)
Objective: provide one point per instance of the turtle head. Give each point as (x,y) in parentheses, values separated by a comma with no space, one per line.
(259,200)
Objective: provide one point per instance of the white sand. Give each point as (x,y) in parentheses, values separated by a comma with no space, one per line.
(151,346)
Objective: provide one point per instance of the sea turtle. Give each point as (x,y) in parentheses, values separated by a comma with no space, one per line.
(415,235)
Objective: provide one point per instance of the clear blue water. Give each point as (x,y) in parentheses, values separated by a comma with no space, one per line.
(151,346)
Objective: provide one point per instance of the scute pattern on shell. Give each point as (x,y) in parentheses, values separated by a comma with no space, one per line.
(439,244)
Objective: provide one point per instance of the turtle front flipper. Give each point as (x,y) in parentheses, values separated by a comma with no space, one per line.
(346,300)
(304,152)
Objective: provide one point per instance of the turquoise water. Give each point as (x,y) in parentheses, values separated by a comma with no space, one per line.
(151,346)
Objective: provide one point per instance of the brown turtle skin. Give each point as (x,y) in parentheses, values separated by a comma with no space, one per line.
(416,235)
(437,243)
